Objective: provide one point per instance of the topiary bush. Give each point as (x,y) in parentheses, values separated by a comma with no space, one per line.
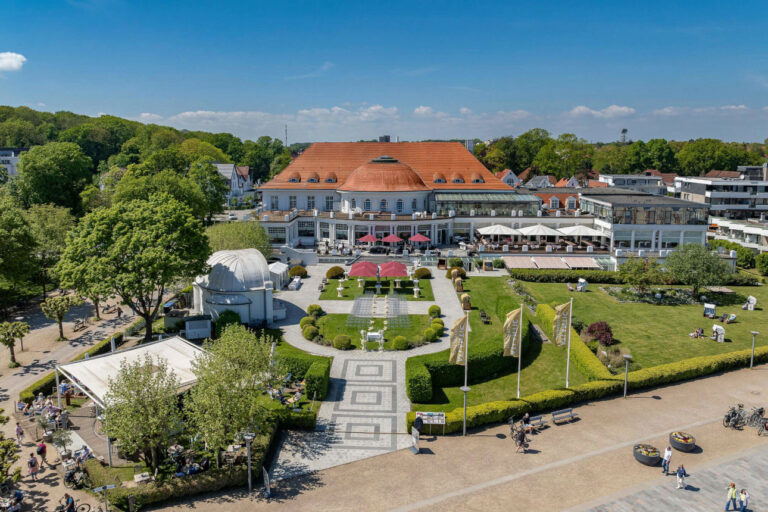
(601,332)
(315,310)
(498,263)
(342,342)
(418,382)
(316,378)
(434,311)
(335,272)
(438,328)
(422,273)
(455,262)
(307,320)
(226,317)
(310,332)
(298,271)
(438,321)
(461,272)
(400,343)
(430,335)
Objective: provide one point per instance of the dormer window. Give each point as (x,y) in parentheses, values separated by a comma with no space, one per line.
(312,180)
(554,203)
(330,180)
(478,180)
(458,180)
(294,179)
(439,180)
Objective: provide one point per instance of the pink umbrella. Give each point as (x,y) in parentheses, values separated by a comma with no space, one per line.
(368,238)
(363,269)
(418,237)
(392,239)
(393,269)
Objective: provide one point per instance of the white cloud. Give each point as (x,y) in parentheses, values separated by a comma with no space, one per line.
(148,117)
(609,112)
(668,111)
(10,61)
(514,115)
(314,73)
(40,104)
(734,108)
(426,112)
(465,111)
(677,111)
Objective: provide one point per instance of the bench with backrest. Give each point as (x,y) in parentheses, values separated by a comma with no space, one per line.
(537,422)
(563,415)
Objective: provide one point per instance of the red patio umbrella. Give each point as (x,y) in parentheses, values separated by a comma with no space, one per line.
(368,238)
(363,269)
(418,237)
(392,239)
(393,269)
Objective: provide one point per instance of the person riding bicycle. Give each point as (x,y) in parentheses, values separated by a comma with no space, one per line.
(520,440)
(69,503)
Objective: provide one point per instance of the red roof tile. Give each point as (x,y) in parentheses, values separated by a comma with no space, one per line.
(525,175)
(242,170)
(722,174)
(595,183)
(429,160)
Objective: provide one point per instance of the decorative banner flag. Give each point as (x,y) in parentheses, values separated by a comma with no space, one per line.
(512,332)
(562,324)
(458,338)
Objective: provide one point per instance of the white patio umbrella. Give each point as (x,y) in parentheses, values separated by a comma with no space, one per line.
(580,231)
(498,229)
(539,230)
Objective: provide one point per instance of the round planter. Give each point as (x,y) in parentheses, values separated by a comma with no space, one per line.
(679,444)
(648,460)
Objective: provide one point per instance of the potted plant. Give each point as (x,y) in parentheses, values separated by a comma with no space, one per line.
(647,454)
(61,439)
(682,441)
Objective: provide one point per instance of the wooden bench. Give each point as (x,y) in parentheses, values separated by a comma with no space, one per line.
(564,414)
(537,422)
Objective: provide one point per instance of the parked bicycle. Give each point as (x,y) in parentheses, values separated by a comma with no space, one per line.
(81,507)
(755,417)
(762,426)
(735,417)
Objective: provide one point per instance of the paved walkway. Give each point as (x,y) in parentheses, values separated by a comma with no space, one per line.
(364,412)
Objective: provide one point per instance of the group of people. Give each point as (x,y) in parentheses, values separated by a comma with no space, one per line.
(736,498)
(44,407)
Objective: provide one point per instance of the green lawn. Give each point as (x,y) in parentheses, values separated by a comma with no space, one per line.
(332,325)
(352,290)
(543,366)
(659,334)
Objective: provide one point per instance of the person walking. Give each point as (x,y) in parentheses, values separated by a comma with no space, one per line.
(744,500)
(119,312)
(34,467)
(665,460)
(681,474)
(19,434)
(731,497)
(41,451)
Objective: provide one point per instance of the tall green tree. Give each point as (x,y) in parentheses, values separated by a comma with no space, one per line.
(10,332)
(16,248)
(55,173)
(280,162)
(259,155)
(501,155)
(527,146)
(564,156)
(197,149)
(694,265)
(56,308)
(142,407)
(641,274)
(703,155)
(212,184)
(661,156)
(138,249)
(49,225)
(232,376)
(135,186)
(230,236)
(761,263)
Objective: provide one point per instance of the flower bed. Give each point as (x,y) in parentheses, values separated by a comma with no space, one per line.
(646,454)
(682,441)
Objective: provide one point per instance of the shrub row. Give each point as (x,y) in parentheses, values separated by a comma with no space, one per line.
(582,357)
(418,381)
(606,277)
(47,383)
(495,412)
(317,377)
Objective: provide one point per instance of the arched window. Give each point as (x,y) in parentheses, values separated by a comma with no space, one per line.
(439,180)
(399,206)
(458,180)
(367,205)
(571,202)
(312,180)
(383,205)
(413,205)
(554,202)
(478,180)
(352,203)
(294,180)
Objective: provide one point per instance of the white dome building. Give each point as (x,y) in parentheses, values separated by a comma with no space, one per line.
(239,281)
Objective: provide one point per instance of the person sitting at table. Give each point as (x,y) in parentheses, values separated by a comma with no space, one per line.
(26,408)
(40,398)
(84,455)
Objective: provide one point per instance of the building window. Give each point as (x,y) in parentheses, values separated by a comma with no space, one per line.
(413,205)
(554,202)
(352,204)
(439,180)
(399,206)
(312,180)
(571,202)
(329,203)
(274,203)
(458,180)
(291,202)
(306,228)
(367,205)
(310,202)
(330,180)
(294,180)
(276,235)
(478,180)
(383,205)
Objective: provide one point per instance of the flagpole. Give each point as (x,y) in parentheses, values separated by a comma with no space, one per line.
(568,357)
(465,388)
(520,349)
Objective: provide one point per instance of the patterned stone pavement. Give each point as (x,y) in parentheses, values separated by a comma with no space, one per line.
(705,489)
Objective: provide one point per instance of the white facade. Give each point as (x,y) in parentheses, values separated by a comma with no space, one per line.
(9,158)
(648,184)
(239,184)
(239,281)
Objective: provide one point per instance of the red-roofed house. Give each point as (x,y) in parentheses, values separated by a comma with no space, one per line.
(596,184)
(509,177)
(723,174)
(558,198)
(238,180)
(571,182)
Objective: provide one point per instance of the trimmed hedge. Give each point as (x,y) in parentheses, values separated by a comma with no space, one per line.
(461,272)
(605,277)
(342,342)
(314,310)
(310,332)
(47,384)
(317,377)
(307,320)
(418,381)
(434,311)
(422,273)
(430,335)
(400,343)
(335,272)
(297,271)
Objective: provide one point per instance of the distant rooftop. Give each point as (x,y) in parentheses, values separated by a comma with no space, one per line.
(643,200)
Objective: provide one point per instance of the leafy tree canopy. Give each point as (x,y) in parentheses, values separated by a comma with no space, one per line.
(54,173)
(239,235)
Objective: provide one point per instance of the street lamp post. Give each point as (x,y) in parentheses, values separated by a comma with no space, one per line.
(752,359)
(627,359)
(249,437)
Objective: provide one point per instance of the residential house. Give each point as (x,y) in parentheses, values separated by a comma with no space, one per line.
(9,158)
(509,177)
(238,181)
(732,198)
(571,182)
(640,182)
(541,182)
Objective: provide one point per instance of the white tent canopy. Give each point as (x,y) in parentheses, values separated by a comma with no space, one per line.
(539,230)
(92,375)
(279,273)
(498,229)
(580,230)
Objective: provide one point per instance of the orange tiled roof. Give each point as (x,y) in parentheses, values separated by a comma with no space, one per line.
(722,174)
(562,183)
(324,162)
(384,175)
(668,177)
(595,183)
(525,175)
(242,170)
(546,195)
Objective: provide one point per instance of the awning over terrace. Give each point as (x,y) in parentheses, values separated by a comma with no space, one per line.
(519,262)
(554,262)
(92,375)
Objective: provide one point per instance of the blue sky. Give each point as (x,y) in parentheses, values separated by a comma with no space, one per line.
(419,69)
